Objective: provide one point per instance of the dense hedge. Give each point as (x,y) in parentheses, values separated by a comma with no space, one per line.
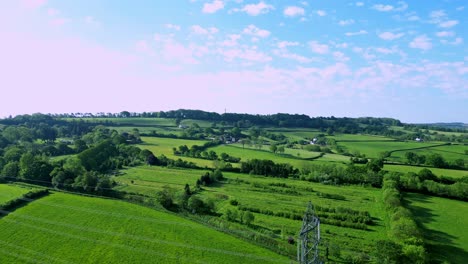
(23,200)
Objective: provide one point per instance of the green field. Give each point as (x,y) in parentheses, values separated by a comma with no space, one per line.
(449,152)
(265,193)
(436,171)
(10,192)
(359,137)
(445,225)
(64,228)
(374,149)
(164,146)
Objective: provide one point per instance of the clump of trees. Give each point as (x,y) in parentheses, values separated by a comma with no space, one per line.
(268,168)
(201,153)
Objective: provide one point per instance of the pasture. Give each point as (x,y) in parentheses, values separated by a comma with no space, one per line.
(374,149)
(449,152)
(76,229)
(436,171)
(275,195)
(444,224)
(10,192)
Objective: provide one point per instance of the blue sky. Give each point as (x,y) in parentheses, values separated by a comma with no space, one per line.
(401,59)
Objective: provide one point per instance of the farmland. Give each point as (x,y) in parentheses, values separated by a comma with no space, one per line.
(267,194)
(244,192)
(444,223)
(74,229)
(9,192)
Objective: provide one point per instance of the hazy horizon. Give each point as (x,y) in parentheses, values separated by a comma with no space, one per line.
(400,59)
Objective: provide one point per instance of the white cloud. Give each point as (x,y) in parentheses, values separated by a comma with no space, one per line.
(437,14)
(172,26)
(213,7)
(460,8)
(292,56)
(231,41)
(390,35)
(360,32)
(340,56)
(257,9)
(383,8)
(448,24)
(359,4)
(421,42)
(318,48)
(346,22)
(199,30)
(402,6)
(285,44)
(456,42)
(321,13)
(413,18)
(292,11)
(443,34)
(255,31)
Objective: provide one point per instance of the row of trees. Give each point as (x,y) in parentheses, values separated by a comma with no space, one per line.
(407,244)
(434,160)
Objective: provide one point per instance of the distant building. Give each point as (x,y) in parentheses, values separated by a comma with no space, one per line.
(418,139)
(313,141)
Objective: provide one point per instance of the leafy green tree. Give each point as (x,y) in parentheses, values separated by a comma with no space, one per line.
(274,148)
(387,252)
(11,170)
(375,165)
(436,160)
(166,197)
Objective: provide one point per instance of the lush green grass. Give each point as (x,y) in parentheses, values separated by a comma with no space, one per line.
(10,192)
(261,192)
(149,130)
(134,121)
(359,137)
(73,229)
(436,171)
(449,152)
(445,225)
(374,149)
(164,146)
(247,153)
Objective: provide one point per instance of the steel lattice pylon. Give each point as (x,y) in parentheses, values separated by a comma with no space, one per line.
(309,238)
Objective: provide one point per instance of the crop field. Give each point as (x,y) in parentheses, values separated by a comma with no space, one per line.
(436,171)
(373,149)
(275,195)
(76,229)
(445,226)
(10,192)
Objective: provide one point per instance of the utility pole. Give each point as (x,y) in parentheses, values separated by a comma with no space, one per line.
(309,238)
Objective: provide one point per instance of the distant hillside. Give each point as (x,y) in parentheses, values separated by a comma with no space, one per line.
(453,125)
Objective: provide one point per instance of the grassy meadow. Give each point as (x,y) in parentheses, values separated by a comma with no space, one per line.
(10,192)
(444,223)
(76,229)
(274,194)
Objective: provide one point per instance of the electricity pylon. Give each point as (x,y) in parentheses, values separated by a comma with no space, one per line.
(309,238)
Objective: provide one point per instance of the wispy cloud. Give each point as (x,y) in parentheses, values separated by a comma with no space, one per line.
(346,22)
(256,9)
(390,35)
(252,30)
(360,32)
(318,47)
(292,11)
(213,7)
(421,42)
